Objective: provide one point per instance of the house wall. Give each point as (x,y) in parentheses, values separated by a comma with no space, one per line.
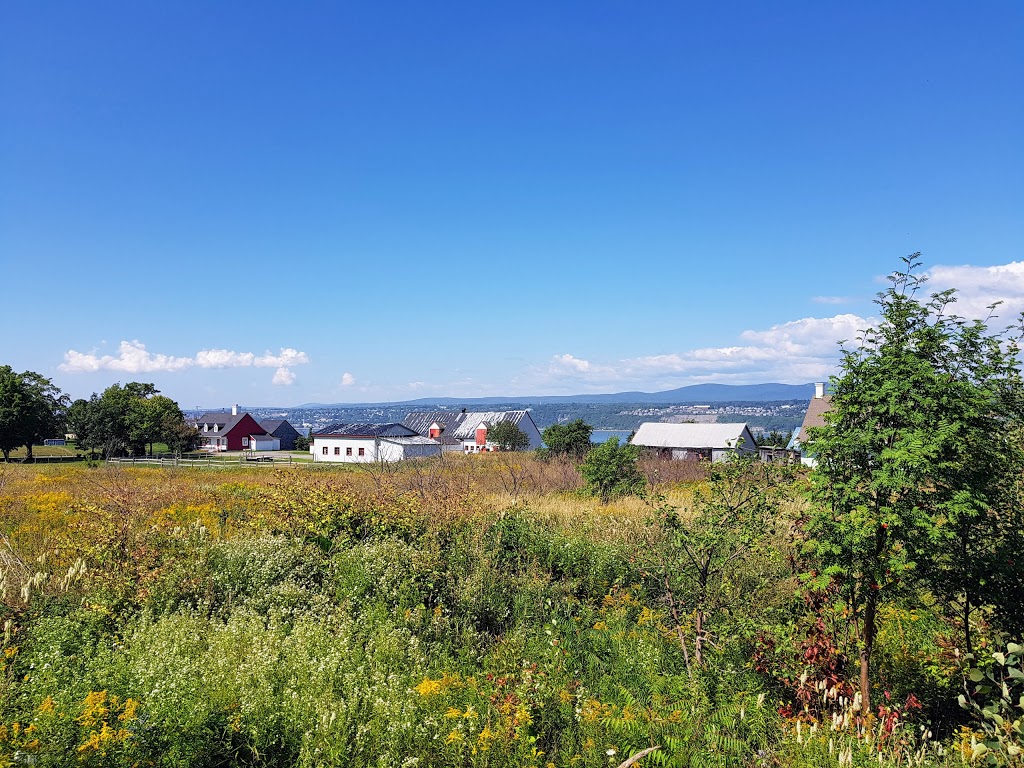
(373,450)
(532,432)
(246,426)
(264,444)
(337,449)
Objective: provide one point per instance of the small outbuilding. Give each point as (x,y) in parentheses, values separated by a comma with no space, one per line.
(283,431)
(713,442)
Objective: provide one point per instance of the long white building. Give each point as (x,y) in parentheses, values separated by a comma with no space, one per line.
(363,443)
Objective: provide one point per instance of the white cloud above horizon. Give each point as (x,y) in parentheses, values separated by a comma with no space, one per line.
(977,288)
(133,357)
(283,377)
(794,352)
(347,379)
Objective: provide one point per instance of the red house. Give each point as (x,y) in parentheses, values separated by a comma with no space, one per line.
(228,431)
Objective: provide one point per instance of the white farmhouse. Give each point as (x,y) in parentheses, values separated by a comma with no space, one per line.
(362,443)
(713,442)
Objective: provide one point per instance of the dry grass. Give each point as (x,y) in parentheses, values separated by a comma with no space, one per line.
(43,506)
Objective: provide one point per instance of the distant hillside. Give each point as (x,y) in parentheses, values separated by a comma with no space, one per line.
(697,393)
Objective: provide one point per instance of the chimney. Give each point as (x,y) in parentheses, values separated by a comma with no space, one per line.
(819,389)
(234,408)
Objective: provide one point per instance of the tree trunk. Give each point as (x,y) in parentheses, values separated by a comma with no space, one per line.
(698,637)
(967,623)
(867,645)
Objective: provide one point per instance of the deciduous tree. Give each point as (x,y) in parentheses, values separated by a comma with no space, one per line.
(572,439)
(508,436)
(703,547)
(611,470)
(919,461)
(31,409)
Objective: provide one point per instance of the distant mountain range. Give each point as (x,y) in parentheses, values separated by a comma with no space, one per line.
(696,393)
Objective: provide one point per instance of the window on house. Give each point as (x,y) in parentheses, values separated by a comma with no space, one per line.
(362,451)
(325,450)
(245,442)
(337,451)
(348,451)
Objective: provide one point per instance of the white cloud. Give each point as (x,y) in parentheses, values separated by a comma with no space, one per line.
(224,358)
(980,287)
(347,379)
(283,377)
(287,357)
(795,352)
(133,357)
(831,300)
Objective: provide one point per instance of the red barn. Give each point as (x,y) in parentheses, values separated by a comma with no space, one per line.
(228,431)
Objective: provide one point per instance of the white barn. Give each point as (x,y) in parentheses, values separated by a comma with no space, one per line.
(364,443)
(713,442)
(467,431)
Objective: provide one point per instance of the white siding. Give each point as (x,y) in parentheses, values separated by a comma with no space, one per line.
(258,443)
(374,449)
(338,448)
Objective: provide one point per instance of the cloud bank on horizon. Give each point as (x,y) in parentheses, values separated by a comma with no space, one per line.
(133,357)
(796,351)
(793,352)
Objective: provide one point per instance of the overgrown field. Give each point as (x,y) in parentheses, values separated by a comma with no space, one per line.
(475,612)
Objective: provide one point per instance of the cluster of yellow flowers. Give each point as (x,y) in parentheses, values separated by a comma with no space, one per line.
(97,709)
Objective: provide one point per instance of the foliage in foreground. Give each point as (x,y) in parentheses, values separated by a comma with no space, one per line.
(207,618)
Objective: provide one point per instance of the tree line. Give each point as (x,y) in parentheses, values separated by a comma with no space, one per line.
(121,421)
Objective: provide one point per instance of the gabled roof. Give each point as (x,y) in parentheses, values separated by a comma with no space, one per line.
(411,440)
(365,430)
(660,435)
(460,425)
(218,417)
(223,422)
(271,425)
(815,416)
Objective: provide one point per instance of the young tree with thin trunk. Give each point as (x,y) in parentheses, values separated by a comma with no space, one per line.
(911,480)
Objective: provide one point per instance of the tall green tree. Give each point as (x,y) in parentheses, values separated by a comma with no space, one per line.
(126,419)
(32,408)
(572,439)
(918,461)
(151,419)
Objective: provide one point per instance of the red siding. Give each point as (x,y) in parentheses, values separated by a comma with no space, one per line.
(246,426)
(481,435)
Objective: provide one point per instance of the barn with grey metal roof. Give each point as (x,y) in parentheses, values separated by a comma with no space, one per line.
(695,441)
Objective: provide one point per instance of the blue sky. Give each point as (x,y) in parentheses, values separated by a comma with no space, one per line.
(243,202)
